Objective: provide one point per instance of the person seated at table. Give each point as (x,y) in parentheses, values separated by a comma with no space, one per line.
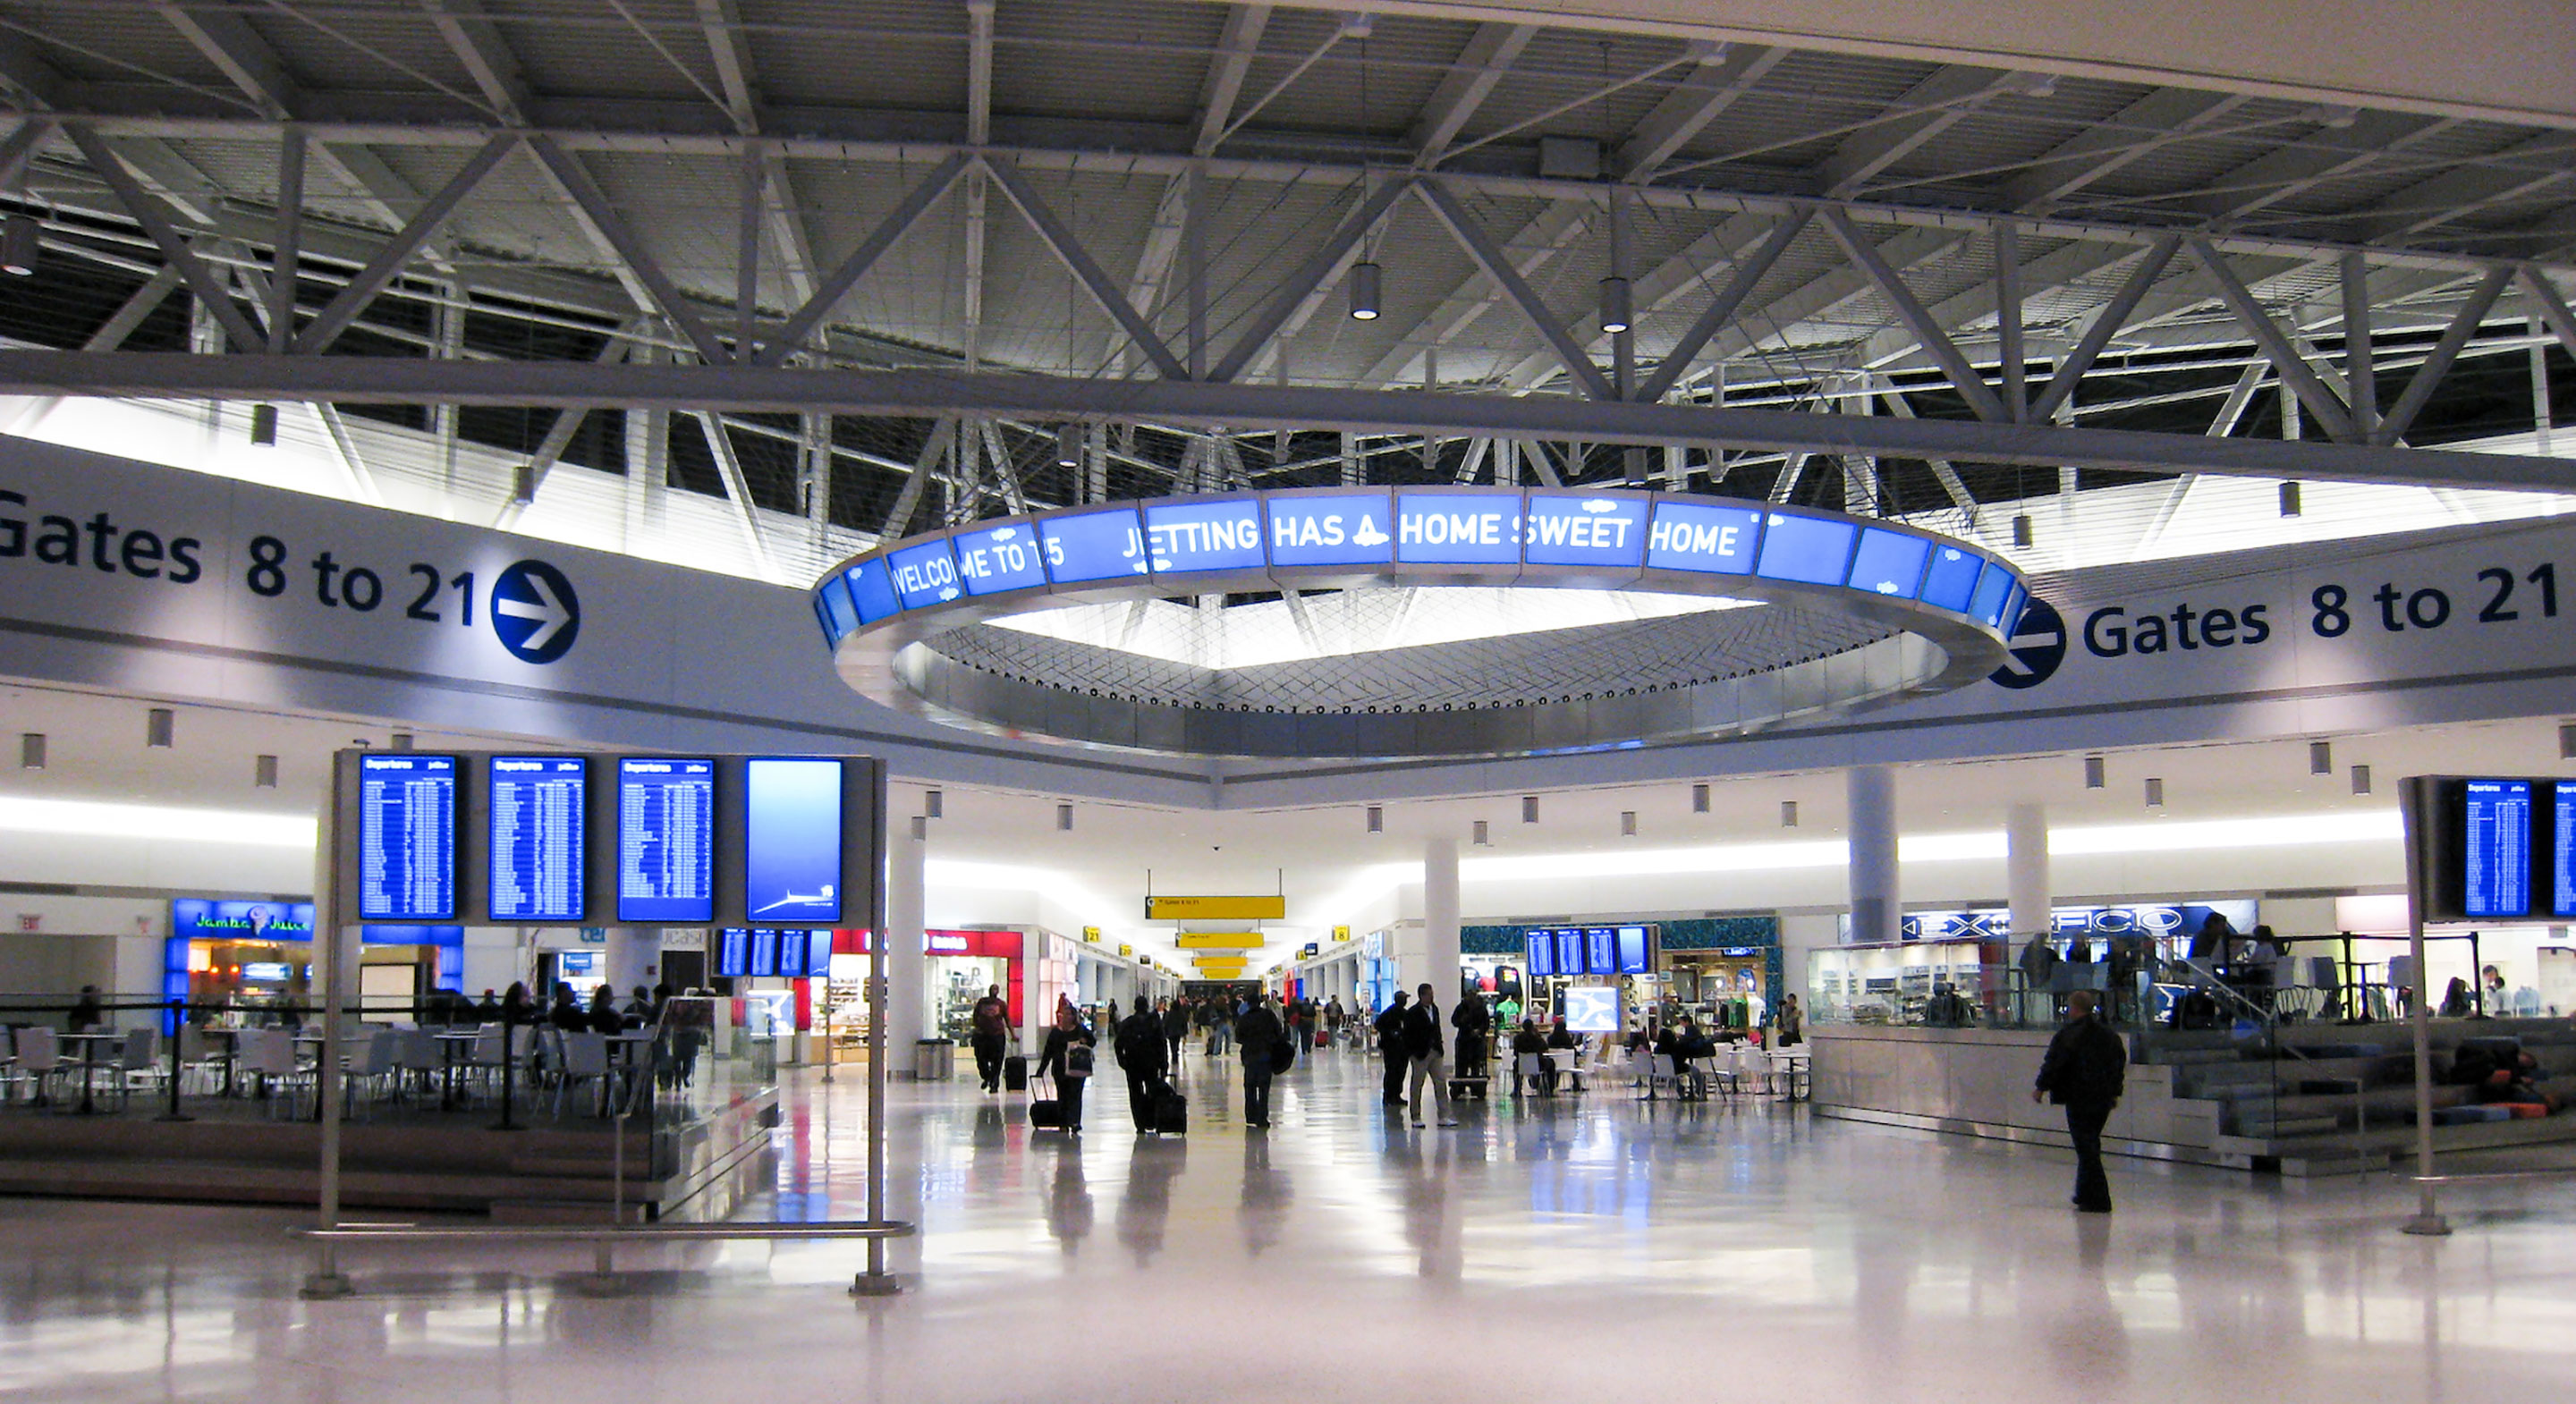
(489,1011)
(1693,1042)
(1529,1040)
(1559,1037)
(518,1006)
(86,1013)
(604,1016)
(567,1012)
(1666,1042)
(642,1009)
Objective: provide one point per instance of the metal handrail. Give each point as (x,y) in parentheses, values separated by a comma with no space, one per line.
(820,1228)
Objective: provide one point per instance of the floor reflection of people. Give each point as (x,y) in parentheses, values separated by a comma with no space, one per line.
(1427,1183)
(1069,1209)
(2085,1337)
(1263,1211)
(1146,1206)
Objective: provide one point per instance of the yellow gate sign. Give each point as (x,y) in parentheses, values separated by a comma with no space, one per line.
(1216,908)
(1218,940)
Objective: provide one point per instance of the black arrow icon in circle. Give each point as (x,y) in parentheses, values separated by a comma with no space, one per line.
(535,613)
(2036,646)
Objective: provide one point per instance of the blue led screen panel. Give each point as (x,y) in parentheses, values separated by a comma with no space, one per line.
(1709,540)
(733,952)
(666,841)
(1094,545)
(2495,857)
(1889,563)
(1569,954)
(1951,580)
(999,558)
(538,812)
(1335,529)
(1592,1009)
(925,574)
(764,952)
(1434,528)
(2007,617)
(1636,955)
(1992,587)
(792,840)
(832,634)
(1584,529)
(2563,860)
(792,946)
(1600,950)
(1542,954)
(871,587)
(1202,536)
(1809,549)
(407,838)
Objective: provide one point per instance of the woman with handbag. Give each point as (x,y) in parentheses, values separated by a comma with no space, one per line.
(1067,1059)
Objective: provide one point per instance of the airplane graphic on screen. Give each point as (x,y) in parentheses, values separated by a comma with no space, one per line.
(821,900)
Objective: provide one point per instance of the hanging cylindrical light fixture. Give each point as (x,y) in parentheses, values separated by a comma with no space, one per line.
(1068,446)
(1366,279)
(1064,818)
(20,243)
(263,426)
(1615,299)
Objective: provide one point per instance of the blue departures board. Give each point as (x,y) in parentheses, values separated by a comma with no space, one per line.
(666,822)
(2495,863)
(539,805)
(792,840)
(2563,864)
(733,952)
(407,838)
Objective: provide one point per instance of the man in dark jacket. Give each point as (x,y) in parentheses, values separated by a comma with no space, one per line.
(990,1031)
(1474,1022)
(1141,1055)
(1257,1030)
(2084,1070)
(1176,1026)
(1423,1042)
(1390,1047)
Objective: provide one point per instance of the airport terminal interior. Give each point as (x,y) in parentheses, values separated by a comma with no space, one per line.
(963,700)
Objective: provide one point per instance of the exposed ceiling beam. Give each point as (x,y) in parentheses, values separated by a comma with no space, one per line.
(1928,109)
(2287,171)
(721,22)
(2294,369)
(1547,234)
(1480,246)
(979,72)
(2518,172)
(1201,404)
(1723,75)
(1917,319)
(1236,47)
(2141,129)
(632,263)
(1087,269)
(202,280)
(1489,54)
(478,45)
(389,260)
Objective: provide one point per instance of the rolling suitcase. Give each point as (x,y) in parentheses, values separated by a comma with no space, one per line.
(1015,1073)
(1171,1112)
(1046,1114)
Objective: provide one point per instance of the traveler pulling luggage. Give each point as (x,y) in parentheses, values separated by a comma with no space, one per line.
(1015,1072)
(1046,1114)
(1171,1112)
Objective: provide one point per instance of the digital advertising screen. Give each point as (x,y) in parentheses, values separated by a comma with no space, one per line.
(407,837)
(833,608)
(1332,529)
(1590,1009)
(1199,536)
(1438,528)
(538,810)
(1094,545)
(871,587)
(997,559)
(1814,550)
(924,575)
(1709,540)
(1584,529)
(2495,860)
(1950,581)
(1992,588)
(666,840)
(1636,952)
(792,840)
(1889,562)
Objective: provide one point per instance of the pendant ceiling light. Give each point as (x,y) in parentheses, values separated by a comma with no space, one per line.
(1365,286)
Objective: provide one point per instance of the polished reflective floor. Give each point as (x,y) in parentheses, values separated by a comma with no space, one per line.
(1576,1250)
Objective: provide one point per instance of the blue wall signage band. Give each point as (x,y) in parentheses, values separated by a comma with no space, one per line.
(1551,532)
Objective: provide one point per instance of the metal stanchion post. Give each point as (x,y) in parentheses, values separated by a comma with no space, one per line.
(178,1021)
(509,1064)
(876,1281)
(2416,803)
(330,938)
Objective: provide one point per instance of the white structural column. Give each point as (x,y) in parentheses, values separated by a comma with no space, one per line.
(1439,920)
(634,958)
(2026,891)
(900,956)
(1876,905)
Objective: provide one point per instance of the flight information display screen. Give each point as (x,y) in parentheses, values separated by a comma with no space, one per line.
(1542,954)
(1711,540)
(1443,528)
(1329,529)
(1000,558)
(764,952)
(536,838)
(407,838)
(1580,529)
(666,840)
(1810,549)
(2495,861)
(733,952)
(1600,950)
(792,840)
(2562,808)
(1196,536)
(1094,545)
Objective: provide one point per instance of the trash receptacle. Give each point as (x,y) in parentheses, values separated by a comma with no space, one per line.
(934,1060)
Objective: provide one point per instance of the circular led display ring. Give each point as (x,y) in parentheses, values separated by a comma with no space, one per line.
(1726,617)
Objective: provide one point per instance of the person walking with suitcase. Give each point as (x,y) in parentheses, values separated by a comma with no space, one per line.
(1067,1058)
(1391,1048)
(990,1032)
(1142,1056)
(1176,1027)
(1257,1031)
(1422,1043)
(2084,1070)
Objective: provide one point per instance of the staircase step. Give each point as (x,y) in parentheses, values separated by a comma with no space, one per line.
(2282,1128)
